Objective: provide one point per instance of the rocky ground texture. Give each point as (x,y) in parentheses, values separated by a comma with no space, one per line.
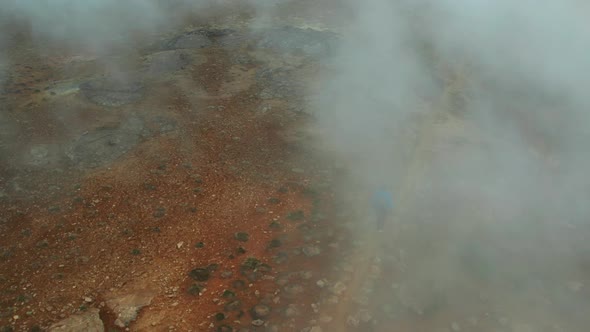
(183,195)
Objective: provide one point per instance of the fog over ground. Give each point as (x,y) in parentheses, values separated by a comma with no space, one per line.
(473,113)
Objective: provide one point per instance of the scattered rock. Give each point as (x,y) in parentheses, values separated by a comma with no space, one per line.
(89,321)
(128,306)
(258,322)
(293,289)
(275,243)
(338,288)
(260,311)
(233,305)
(291,311)
(200,274)
(296,215)
(311,251)
(242,236)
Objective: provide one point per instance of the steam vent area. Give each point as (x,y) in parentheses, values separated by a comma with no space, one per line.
(294,165)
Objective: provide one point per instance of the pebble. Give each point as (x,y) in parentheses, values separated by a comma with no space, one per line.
(291,311)
(321,283)
(338,288)
(258,322)
(260,311)
(179,244)
(311,251)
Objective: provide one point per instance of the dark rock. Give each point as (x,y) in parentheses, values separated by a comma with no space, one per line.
(229,294)
(159,213)
(239,284)
(296,215)
(275,243)
(200,274)
(219,316)
(241,236)
(274,225)
(195,289)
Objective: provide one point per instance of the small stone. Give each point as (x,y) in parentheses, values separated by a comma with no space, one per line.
(321,283)
(293,289)
(179,244)
(326,318)
(260,311)
(88,299)
(291,311)
(258,322)
(233,305)
(338,288)
(352,321)
(311,251)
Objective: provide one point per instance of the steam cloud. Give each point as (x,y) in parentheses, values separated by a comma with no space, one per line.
(475,114)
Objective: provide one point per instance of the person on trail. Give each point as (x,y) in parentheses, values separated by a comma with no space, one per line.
(382,202)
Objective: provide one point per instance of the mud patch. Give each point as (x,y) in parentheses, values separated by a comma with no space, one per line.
(105,144)
(167,62)
(112,92)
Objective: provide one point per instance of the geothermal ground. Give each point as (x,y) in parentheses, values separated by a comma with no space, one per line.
(187,194)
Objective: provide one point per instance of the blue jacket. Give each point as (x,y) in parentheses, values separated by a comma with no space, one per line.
(382,199)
